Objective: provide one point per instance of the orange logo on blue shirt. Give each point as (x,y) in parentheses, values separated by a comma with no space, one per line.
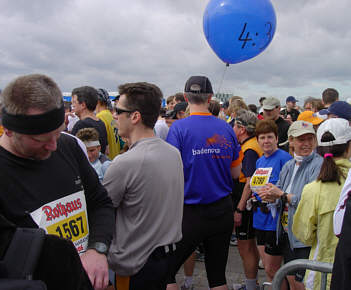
(217,139)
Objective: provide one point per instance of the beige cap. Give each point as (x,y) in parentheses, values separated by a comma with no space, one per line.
(299,128)
(270,103)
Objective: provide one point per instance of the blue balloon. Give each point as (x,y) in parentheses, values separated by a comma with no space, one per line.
(238,30)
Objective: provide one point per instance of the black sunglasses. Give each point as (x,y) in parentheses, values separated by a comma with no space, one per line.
(120,111)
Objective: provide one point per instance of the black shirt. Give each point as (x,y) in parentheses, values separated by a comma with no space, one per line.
(283,127)
(293,113)
(26,185)
(98,125)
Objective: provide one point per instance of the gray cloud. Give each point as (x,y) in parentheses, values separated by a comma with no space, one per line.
(106,43)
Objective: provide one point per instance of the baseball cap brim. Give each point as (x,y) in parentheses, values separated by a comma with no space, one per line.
(302,132)
(268,107)
(324,112)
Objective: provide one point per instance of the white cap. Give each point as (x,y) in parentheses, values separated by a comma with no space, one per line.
(338,127)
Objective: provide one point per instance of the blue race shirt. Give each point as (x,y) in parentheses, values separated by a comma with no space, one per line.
(276,161)
(209,149)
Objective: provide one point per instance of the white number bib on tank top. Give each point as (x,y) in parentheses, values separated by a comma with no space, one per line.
(66,217)
(260,178)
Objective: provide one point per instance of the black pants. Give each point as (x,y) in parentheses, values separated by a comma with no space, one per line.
(153,275)
(293,254)
(341,278)
(212,225)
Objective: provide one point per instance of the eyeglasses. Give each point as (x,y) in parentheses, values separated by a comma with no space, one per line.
(120,111)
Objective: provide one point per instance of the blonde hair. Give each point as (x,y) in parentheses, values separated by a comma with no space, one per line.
(236,105)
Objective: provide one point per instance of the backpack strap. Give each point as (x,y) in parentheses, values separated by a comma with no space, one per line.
(23,253)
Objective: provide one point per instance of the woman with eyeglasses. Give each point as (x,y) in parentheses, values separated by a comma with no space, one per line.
(313,220)
(265,221)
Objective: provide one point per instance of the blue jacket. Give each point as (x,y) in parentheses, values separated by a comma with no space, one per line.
(307,172)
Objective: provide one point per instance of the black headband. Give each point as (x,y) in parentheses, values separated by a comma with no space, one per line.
(34,124)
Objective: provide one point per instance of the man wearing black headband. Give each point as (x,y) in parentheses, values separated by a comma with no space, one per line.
(46,180)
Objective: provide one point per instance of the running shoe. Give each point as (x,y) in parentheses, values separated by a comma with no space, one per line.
(260,265)
(200,257)
(233,240)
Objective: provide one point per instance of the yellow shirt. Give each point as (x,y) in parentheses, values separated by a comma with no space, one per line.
(112,137)
(1,130)
(313,222)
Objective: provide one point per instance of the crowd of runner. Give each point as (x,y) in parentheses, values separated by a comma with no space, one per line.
(139,190)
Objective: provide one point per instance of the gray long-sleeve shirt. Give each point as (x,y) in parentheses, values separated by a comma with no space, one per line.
(146,185)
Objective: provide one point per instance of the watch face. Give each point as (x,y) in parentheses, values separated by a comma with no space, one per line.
(100,248)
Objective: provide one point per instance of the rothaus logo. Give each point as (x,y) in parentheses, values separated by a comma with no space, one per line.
(61,209)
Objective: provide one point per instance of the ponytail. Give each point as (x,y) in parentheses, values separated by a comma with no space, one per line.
(330,172)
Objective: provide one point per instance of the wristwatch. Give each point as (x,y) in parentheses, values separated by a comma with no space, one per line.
(100,247)
(239,210)
(284,198)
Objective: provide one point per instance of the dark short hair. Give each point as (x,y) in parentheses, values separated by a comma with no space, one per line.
(197,98)
(262,99)
(179,97)
(87,95)
(266,126)
(145,98)
(67,105)
(252,108)
(163,111)
(317,104)
(330,96)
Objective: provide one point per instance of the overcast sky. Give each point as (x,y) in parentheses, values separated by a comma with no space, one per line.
(104,43)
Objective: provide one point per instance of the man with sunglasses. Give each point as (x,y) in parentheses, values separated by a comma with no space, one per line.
(146,185)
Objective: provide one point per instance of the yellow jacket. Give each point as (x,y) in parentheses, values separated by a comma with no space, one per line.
(313,221)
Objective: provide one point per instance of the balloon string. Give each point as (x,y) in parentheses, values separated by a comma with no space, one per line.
(221,82)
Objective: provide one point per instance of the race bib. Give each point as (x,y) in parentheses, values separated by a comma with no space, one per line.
(260,178)
(284,218)
(65,217)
